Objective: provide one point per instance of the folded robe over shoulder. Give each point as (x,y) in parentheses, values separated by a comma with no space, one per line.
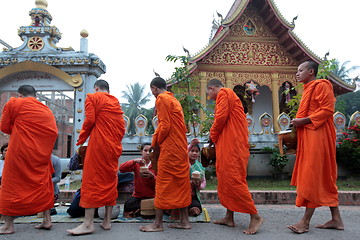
(172,189)
(230,134)
(104,123)
(315,170)
(27,186)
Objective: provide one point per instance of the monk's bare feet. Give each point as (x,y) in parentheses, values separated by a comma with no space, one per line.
(6,230)
(225,221)
(106,225)
(299,228)
(44,225)
(82,230)
(151,228)
(180,225)
(254,225)
(332,224)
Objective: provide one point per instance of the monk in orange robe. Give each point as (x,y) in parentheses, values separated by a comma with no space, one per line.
(27,186)
(315,170)
(173,190)
(104,124)
(230,134)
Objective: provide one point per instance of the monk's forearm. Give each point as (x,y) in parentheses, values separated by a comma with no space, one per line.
(297,122)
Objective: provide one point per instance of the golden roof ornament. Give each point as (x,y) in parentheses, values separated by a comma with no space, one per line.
(84,33)
(41,4)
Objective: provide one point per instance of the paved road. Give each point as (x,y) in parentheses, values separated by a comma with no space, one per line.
(277,217)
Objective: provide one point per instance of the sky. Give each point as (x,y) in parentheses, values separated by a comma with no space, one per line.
(133,37)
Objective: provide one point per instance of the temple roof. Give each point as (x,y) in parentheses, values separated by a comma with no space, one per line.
(279,26)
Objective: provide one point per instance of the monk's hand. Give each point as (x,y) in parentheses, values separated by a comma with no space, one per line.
(297,122)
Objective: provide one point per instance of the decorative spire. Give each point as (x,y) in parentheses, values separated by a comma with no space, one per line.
(41,4)
(156,74)
(186,51)
(84,33)
(293,20)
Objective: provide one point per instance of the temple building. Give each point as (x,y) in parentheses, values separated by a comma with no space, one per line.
(61,76)
(255,52)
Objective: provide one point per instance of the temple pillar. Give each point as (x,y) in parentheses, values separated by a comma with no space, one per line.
(275,100)
(202,94)
(228,80)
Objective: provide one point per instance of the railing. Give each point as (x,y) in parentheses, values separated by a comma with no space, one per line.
(265,122)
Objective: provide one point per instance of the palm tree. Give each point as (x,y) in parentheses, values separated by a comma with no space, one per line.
(343,72)
(136,98)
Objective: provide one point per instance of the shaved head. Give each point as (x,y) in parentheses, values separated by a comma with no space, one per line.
(312,65)
(102,85)
(27,91)
(214,83)
(159,83)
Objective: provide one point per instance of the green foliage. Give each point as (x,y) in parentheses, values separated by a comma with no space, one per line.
(149,114)
(277,161)
(348,103)
(342,71)
(136,98)
(326,68)
(182,83)
(294,102)
(348,149)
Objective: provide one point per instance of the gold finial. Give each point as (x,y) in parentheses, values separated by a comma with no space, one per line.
(41,4)
(84,33)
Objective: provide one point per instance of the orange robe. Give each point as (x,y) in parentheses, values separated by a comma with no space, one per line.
(27,186)
(172,189)
(229,132)
(105,125)
(315,170)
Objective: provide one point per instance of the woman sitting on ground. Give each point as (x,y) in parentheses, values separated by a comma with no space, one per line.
(198,181)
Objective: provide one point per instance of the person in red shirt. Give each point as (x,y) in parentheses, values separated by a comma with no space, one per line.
(144,181)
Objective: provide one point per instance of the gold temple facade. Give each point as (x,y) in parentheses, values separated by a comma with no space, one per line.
(255,45)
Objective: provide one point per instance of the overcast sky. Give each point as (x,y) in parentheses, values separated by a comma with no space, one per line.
(133,37)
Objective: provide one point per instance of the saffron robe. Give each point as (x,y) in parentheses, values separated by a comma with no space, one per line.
(229,132)
(27,186)
(315,170)
(104,123)
(173,188)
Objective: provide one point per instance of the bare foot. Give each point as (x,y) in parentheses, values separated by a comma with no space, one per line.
(332,224)
(106,226)
(180,226)
(45,226)
(225,221)
(6,230)
(82,230)
(254,225)
(299,228)
(151,228)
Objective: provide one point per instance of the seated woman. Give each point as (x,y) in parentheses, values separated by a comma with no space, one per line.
(144,181)
(198,181)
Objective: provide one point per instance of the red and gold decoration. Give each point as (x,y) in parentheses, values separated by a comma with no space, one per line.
(35,43)
(251,89)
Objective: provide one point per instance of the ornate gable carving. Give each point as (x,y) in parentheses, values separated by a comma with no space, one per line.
(249,53)
(250,24)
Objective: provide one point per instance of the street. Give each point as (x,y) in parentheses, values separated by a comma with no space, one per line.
(277,217)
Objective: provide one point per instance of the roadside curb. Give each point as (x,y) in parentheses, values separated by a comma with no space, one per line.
(350,198)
